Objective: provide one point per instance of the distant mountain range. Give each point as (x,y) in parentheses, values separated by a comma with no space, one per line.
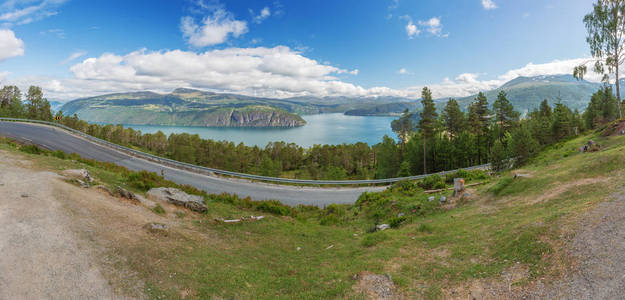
(525,93)
(189,107)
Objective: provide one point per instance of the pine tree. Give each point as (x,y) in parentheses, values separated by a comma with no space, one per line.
(479,116)
(505,115)
(453,118)
(427,121)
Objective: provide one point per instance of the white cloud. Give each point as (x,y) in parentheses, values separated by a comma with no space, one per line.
(72,57)
(269,72)
(24,12)
(214,29)
(412,30)
(488,4)
(10,45)
(264,14)
(432,25)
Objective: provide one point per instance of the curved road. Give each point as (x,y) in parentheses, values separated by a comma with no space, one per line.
(58,139)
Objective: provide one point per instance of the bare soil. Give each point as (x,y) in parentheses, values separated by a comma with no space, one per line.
(42,258)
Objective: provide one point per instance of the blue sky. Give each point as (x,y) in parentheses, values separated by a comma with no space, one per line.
(283,48)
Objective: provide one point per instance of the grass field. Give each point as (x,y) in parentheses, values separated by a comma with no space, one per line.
(507,226)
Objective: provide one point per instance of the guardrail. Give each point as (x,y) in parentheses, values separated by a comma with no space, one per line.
(211,171)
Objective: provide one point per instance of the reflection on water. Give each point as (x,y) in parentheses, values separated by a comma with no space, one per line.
(321,129)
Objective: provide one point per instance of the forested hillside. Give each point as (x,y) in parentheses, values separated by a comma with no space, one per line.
(441,140)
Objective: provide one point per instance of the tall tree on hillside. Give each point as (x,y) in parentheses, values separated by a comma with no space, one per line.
(427,121)
(453,118)
(403,127)
(505,115)
(479,116)
(606,38)
(36,106)
(601,108)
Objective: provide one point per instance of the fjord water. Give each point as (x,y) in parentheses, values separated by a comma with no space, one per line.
(331,129)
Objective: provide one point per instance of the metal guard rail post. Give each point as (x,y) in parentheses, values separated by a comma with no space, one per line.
(204,170)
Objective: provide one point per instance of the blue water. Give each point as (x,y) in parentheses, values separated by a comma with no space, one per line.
(331,129)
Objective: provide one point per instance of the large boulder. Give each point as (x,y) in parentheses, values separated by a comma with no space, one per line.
(178,197)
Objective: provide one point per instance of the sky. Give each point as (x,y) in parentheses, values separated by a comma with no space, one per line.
(281,48)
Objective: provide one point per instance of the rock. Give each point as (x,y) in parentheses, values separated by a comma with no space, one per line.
(178,197)
(375,286)
(431,198)
(104,189)
(382,227)
(157,228)
(399,215)
(443,199)
(79,174)
(145,202)
(126,194)
(24,195)
(466,195)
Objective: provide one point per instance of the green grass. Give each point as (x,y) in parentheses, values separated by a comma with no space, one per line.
(505,222)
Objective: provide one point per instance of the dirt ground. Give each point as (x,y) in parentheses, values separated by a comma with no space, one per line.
(41,256)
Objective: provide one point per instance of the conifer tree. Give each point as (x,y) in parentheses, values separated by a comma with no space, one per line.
(427,121)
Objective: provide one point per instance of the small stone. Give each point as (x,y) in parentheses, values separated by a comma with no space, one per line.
(157,228)
(125,193)
(399,215)
(299,248)
(431,198)
(382,227)
(443,199)
(24,195)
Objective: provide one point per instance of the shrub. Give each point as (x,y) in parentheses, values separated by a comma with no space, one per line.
(449,178)
(432,182)
(32,149)
(395,222)
(373,239)
(59,154)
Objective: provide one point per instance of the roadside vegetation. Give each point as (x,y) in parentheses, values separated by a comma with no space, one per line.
(445,140)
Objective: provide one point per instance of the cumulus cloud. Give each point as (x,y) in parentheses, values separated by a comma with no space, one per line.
(264,14)
(432,25)
(412,30)
(10,45)
(15,12)
(268,72)
(489,4)
(73,56)
(213,29)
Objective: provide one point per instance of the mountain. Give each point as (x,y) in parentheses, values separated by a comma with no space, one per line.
(525,93)
(387,109)
(187,107)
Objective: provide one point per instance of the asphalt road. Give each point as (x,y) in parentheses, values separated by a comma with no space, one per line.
(58,139)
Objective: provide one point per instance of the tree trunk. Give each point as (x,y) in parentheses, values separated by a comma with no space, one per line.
(618,93)
(425,169)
